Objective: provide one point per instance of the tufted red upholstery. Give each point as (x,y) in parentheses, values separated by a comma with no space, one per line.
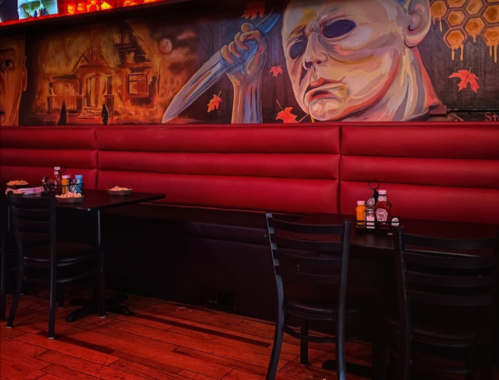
(236,167)
(440,171)
(31,153)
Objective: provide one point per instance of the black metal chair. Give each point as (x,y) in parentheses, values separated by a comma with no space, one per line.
(447,295)
(44,259)
(309,254)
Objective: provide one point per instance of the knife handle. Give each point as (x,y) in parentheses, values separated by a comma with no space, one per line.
(263,27)
(269,22)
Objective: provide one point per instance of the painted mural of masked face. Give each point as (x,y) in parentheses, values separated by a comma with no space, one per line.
(13,79)
(348,59)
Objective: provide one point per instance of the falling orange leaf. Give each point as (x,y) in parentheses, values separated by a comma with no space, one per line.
(466,77)
(286,116)
(254,10)
(276,70)
(214,103)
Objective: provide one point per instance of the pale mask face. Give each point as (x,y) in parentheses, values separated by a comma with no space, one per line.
(71,9)
(342,56)
(13,79)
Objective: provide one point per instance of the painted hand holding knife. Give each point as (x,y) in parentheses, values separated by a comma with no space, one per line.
(214,69)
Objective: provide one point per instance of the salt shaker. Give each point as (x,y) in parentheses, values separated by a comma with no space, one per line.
(370,218)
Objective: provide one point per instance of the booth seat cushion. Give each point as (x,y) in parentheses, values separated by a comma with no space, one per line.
(442,171)
(30,153)
(266,167)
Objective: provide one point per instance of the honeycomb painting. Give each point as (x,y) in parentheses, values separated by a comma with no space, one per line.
(465,38)
(468,20)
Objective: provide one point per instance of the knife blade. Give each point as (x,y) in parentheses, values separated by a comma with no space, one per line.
(213,70)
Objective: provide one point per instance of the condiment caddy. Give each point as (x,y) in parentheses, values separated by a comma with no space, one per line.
(62,184)
(375,214)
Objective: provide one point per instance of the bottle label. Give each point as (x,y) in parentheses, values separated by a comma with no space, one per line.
(370,221)
(371,202)
(381,215)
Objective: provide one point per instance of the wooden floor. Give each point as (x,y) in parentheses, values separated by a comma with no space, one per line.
(161,340)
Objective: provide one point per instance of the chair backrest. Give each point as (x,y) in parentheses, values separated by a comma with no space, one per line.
(447,272)
(310,253)
(33,219)
(455,279)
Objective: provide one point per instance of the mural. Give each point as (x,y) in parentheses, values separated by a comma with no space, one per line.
(18,11)
(13,78)
(297,61)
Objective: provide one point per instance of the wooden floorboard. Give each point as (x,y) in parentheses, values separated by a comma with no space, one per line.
(161,340)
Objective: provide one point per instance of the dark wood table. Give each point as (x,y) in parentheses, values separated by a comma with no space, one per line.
(371,254)
(99,200)
(94,201)
(371,242)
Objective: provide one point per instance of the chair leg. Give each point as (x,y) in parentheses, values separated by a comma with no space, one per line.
(304,343)
(276,349)
(340,349)
(52,303)
(102,287)
(17,295)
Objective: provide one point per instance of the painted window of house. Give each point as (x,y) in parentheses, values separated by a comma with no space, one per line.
(137,84)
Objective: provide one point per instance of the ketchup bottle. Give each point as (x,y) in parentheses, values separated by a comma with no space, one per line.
(57,180)
(382,210)
(57,175)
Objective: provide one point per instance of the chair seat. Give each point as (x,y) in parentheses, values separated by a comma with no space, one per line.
(317,308)
(438,335)
(67,252)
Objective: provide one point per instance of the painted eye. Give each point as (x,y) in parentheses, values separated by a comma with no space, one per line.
(7,65)
(297,49)
(338,28)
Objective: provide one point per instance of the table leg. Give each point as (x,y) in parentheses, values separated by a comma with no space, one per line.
(91,306)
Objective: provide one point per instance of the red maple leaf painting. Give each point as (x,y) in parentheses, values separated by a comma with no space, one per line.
(286,116)
(466,77)
(254,10)
(275,70)
(214,103)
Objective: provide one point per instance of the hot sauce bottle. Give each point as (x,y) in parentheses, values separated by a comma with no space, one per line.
(382,210)
(361,214)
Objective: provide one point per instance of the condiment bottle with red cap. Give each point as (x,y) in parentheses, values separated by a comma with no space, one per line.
(382,210)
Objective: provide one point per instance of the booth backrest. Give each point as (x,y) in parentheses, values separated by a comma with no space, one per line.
(439,171)
(245,167)
(31,153)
